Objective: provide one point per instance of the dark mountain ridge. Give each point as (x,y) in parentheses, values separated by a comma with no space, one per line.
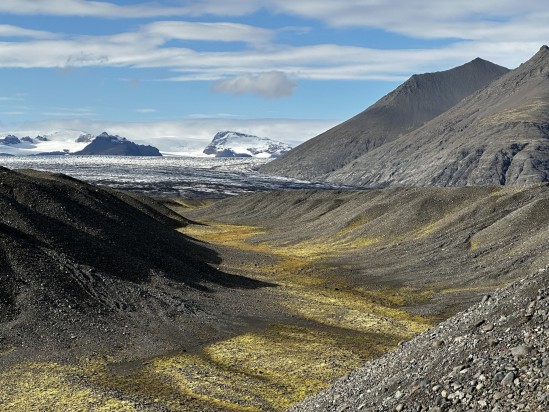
(497,136)
(106,144)
(78,262)
(412,104)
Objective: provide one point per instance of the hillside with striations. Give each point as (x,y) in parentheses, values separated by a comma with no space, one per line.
(79,263)
(412,104)
(497,136)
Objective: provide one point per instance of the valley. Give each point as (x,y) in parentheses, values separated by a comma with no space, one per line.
(420,242)
(323,306)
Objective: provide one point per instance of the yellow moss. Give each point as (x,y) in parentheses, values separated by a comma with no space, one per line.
(353,311)
(355,223)
(51,386)
(473,245)
(266,370)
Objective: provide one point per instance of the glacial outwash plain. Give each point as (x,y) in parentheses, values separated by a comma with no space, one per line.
(417,282)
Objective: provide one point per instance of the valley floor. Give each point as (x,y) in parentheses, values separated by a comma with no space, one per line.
(340,265)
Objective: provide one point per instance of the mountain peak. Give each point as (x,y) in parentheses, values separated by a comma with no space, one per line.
(408,107)
(236,144)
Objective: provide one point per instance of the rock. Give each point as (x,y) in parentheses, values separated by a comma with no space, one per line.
(487,327)
(485,298)
(520,351)
(508,379)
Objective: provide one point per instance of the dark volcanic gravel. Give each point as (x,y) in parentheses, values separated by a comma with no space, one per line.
(88,270)
(492,357)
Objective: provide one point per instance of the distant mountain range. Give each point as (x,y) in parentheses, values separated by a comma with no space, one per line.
(234,144)
(65,142)
(497,136)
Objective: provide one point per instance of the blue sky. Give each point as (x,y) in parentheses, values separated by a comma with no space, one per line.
(285,69)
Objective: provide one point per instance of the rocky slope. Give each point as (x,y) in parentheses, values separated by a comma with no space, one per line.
(79,263)
(494,356)
(415,102)
(106,144)
(498,135)
(234,144)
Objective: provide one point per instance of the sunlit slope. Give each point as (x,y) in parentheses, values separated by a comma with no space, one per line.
(401,237)
(496,136)
(409,106)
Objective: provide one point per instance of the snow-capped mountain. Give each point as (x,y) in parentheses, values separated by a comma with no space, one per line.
(114,145)
(234,144)
(34,142)
(60,142)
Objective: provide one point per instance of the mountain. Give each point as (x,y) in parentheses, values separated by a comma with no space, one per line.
(497,136)
(106,144)
(33,142)
(412,104)
(91,269)
(63,142)
(234,144)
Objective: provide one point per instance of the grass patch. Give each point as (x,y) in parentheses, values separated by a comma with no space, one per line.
(55,387)
(268,370)
(336,330)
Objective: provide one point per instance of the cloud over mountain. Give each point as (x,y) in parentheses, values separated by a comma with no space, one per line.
(270,85)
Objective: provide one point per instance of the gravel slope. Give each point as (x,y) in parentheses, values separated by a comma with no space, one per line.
(494,357)
(90,270)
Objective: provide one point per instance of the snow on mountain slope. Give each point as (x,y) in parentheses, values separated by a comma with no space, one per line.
(33,142)
(234,144)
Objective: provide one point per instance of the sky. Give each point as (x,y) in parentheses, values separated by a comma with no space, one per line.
(185,69)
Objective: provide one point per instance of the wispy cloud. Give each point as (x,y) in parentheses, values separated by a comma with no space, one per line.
(145,110)
(13,113)
(16,98)
(270,85)
(7,30)
(505,32)
(143,9)
(220,32)
(68,113)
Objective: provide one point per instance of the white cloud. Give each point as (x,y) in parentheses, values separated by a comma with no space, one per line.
(416,18)
(145,110)
(270,85)
(65,112)
(192,135)
(233,68)
(221,32)
(16,98)
(13,113)
(141,9)
(505,32)
(7,30)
